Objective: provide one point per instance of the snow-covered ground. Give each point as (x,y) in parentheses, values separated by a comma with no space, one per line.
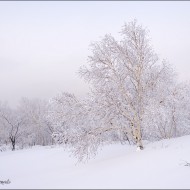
(160,165)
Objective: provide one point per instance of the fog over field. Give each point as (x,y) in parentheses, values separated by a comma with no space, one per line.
(94,94)
(43,44)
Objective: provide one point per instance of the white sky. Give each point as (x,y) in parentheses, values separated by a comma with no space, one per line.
(43,44)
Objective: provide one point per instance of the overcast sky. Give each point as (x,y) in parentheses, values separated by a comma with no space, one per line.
(43,44)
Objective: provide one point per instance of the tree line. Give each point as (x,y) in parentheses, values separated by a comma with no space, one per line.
(134,97)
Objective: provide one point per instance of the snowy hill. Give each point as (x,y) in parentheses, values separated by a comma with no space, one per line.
(160,165)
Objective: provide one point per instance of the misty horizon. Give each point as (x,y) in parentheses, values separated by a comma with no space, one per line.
(43,44)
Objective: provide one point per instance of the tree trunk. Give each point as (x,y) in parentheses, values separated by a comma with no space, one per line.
(140,145)
(137,137)
(13,143)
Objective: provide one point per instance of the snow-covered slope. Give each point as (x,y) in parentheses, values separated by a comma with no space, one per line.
(160,165)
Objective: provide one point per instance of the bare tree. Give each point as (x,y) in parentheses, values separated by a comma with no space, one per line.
(13,123)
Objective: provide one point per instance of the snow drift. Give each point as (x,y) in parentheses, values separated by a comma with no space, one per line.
(160,165)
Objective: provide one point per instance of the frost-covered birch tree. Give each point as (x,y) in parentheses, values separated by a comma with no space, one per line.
(123,75)
(133,95)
